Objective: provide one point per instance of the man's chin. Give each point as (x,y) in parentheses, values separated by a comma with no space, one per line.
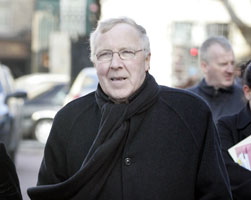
(228,84)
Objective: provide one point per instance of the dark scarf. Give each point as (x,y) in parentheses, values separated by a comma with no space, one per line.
(87,183)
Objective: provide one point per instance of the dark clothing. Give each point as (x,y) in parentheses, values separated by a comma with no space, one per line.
(9,183)
(222,101)
(108,144)
(171,150)
(233,129)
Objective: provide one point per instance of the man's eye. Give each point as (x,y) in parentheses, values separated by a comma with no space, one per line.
(104,54)
(127,53)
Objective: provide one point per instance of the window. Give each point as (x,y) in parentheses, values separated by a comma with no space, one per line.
(217,29)
(182,33)
(184,59)
(5,17)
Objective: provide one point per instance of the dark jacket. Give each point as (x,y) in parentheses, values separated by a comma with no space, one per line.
(222,101)
(233,129)
(9,183)
(174,154)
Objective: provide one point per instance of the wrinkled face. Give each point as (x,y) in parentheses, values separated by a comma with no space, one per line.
(219,70)
(119,78)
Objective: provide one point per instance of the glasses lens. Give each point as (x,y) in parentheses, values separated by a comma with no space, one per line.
(127,54)
(104,56)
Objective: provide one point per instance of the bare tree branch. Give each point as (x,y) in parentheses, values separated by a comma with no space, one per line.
(244,28)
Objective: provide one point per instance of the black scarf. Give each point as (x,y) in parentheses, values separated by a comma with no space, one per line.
(87,183)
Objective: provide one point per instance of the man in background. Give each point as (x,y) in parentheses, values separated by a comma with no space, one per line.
(218,87)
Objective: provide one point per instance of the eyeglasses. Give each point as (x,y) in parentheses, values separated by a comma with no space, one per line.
(124,54)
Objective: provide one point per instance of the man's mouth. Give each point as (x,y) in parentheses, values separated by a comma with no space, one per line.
(118,78)
(229,77)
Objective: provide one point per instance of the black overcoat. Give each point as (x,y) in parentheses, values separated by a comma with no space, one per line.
(173,155)
(233,129)
(9,182)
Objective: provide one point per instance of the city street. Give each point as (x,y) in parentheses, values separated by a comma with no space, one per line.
(28,161)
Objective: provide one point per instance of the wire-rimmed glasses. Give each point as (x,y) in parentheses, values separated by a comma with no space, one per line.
(124,54)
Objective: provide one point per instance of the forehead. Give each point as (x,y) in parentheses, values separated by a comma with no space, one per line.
(120,36)
(217,52)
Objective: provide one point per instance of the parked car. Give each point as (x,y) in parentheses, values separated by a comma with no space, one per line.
(11,102)
(85,82)
(46,94)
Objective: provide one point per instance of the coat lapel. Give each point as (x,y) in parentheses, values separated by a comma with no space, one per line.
(244,121)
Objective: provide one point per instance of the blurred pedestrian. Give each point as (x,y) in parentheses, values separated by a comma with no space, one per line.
(218,87)
(239,71)
(233,129)
(131,139)
(9,182)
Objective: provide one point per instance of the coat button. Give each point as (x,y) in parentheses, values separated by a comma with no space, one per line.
(128,161)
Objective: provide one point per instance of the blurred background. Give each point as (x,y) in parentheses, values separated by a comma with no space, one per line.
(44,57)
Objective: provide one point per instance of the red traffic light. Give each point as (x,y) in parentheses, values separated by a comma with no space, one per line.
(193,51)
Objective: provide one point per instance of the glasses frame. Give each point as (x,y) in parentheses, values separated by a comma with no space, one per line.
(119,54)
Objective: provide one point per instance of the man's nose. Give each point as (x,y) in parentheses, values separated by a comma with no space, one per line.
(230,68)
(116,61)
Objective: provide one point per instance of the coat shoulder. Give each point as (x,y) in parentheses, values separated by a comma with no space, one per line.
(77,109)
(190,108)
(183,99)
(79,104)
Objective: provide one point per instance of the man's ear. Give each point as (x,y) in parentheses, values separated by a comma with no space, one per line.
(247,92)
(147,62)
(94,65)
(204,66)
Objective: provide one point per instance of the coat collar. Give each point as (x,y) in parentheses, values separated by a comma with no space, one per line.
(244,120)
(211,90)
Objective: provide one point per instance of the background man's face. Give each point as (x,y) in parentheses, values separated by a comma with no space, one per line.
(219,70)
(121,78)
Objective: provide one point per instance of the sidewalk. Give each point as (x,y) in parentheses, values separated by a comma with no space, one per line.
(28,159)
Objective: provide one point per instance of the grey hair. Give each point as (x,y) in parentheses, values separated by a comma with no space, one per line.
(106,25)
(220,40)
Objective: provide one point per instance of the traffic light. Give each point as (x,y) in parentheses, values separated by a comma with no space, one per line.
(194,51)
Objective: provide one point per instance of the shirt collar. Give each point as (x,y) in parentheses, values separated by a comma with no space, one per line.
(210,90)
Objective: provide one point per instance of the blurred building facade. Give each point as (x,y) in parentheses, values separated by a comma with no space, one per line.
(15,35)
(45,21)
(46,35)
(60,32)
(177,29)
(52,35)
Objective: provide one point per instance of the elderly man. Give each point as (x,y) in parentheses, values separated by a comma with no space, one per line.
(131,139)
(218,86)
